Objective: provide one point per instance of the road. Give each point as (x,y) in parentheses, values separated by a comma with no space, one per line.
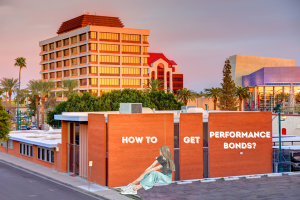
(16,184)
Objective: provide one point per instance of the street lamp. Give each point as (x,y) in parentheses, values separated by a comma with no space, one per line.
(17,104)
(279,126)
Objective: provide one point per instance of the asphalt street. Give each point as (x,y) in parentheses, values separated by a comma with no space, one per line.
(16,184)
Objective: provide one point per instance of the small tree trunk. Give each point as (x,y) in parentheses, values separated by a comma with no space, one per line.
(185,102)
(37,111)
(241,104)
(43,107)
(6,96)
(215,103)
(9,100)
(20,79)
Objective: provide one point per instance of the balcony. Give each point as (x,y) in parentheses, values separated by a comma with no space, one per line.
(58,57)
(83,75)
(73,43)
(131,86)
(115,52)
(145,75)
(132,75)
(113,86)
(83,52)
(135,64)
(109,63)
(104,74)
(109,40)
(83,63)
(93,51)
(136,42)
(93,74)
(82,41)
(93,63)
(51,49)
(135,53)
(93,39)
(93,86)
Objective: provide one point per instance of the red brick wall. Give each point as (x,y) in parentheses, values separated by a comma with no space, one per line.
(126,162)
(96,147)
(229,162)
(191,154)
(64,149)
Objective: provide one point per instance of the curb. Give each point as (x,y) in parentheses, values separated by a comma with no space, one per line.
(54,180)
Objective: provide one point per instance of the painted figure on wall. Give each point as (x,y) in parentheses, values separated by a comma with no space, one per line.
(151,176)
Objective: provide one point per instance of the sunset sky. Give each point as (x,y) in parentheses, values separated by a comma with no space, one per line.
(198,35)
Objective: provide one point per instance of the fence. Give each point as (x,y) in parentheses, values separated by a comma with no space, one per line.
(285,163)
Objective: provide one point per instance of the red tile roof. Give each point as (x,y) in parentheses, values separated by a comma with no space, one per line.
(155,56)
(85,20)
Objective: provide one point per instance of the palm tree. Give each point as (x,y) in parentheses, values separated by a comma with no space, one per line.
(44,88)
(69,87)
(242,93)
(154,85)
(9,85)
(20,62)
(186,95)
(213,93)
(33,87)
(1,92)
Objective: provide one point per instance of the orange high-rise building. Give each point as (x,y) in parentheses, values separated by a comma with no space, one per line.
(103,55)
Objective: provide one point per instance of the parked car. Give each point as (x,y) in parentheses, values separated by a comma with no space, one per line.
(295,163)
(23,127)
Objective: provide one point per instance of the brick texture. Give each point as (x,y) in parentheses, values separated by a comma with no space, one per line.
(230,162)
(127,161)
(191,155)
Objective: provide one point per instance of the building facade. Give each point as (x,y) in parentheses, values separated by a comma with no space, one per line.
(271,85)
(101,54)
(243,65)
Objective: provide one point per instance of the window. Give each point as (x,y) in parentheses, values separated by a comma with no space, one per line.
(145,37)
(73,50)
(83,82)
(82,60)
(66,62)
(109,81)
(92,47)
(74,72)
(93,81)
(131,49)
(45,67)
(44,48)
(58,44)
(45,154)
(83,71)
(73,39)
(131,82)
(66,52)
(51,55)
(131,60)
(131,38)
(74,61)
(144,50)
(45,76)
(82,37)
(51,46)
(94,92)
(52,75)
(51,65)
(66,42)
(66,73)
(145,60)
(58,54)
(109,36)
(109,47)
(59,84)
(3,144)
(58,64)
(110,70)
(82,48)
(45,57)
(93,70)
(145,82)
(145,71)
(92,35)
(131,71)
(93,58)
(59,74)
(26,149)
(110,59)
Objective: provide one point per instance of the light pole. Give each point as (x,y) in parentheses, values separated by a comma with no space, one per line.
(17,104)
(279,126)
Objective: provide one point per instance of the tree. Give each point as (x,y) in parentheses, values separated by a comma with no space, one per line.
(69,87)
(20,62)
(161,100)
(33,87)
(4,123)
(51,102)
(22,96)
(242,93)
(282,96)
(297,97)
(213,93)
(185,95)
(57,110)
(9,85)
(227,92)
(1,92)
(154,85)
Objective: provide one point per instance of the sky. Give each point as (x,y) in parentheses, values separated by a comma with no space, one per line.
(198,35)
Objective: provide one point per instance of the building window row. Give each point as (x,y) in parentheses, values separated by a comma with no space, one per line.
(109,81)
(93,35)
(133,71)
(26,149)
(45,154)
(109,47)
(110,70)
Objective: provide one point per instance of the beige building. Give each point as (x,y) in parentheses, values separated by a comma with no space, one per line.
(244,65)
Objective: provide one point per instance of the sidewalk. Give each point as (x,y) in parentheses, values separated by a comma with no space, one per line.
(77,183)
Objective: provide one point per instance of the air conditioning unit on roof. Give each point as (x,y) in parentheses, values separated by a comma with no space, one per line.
(130,108)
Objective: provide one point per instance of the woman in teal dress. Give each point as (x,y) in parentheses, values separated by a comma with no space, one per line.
(151,176)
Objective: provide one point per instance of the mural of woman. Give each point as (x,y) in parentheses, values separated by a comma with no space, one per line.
(151,176)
